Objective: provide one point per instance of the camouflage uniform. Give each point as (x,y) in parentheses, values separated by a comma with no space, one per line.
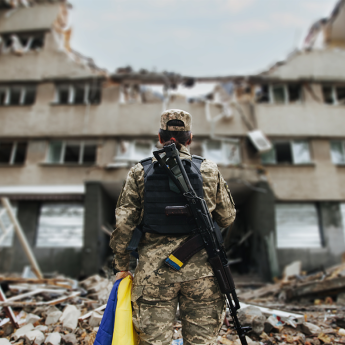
(157,288)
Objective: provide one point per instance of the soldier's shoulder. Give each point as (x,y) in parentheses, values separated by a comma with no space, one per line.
(208,165)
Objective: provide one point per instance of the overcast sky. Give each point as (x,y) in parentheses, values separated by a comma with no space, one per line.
(192,37)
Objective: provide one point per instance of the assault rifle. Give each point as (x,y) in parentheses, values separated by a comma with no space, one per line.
(210,237)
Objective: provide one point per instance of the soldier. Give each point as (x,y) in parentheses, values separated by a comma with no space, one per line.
(157,289)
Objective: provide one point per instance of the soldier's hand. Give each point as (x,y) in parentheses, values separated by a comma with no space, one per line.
(123,274)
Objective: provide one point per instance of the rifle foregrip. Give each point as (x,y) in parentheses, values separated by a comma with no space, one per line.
(223,275)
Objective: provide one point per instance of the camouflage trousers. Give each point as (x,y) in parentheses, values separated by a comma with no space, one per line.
(202,311)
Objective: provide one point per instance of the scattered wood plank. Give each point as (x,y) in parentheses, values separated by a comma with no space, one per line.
(8,310)
(87,315)
(325,287)
(268,289)
(35,292)
(60,282)
(36,304)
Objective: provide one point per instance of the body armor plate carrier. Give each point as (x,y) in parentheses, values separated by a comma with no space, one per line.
(161,192)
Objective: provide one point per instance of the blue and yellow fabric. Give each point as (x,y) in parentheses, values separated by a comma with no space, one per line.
(174,262)
(116,327)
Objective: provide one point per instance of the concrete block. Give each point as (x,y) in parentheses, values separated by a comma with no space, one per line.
(34,337)
(69,317)
(95,319)
(53,339)
(41,328)
(69,339)
(53,317)
(32,318)
(19,333)
(253,317)
(309,328)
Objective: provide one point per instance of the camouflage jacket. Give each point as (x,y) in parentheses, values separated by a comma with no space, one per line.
(154,248)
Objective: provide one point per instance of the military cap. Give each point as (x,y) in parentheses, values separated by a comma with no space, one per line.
(176,114)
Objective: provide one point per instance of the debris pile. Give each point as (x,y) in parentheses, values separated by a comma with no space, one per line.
(51,311)
(299,309)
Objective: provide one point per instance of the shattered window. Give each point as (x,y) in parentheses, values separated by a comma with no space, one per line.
(94,96)
(288,152)
(278,94)
(72,152)
(3,96)
(18,95)
(269,157)
(78,93)
(283,152)
(297,226)
(301,152)
(341,95)
(60,225)
(15,95)
(13,153)
(327,92)
(6,227)
(262,94)
(221,152)
(338,152)
(295,92)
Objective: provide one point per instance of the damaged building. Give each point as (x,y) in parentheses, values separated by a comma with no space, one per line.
(70,131)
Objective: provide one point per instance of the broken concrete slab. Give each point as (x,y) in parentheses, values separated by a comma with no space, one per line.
(41,328)
(69,339)
(253,317)
(22,331)
(309,328)
(70,317)
(53,317)
(95,319)
(32,318)
(53,339)
(34,337)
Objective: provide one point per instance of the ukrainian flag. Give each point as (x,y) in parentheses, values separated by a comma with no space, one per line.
(116,327)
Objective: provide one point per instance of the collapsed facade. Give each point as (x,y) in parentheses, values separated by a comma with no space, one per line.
(70,132)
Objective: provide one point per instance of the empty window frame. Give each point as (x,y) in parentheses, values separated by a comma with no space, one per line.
(338,152)
(333,94)
(134,151)
(72,152)
(12,153)
(297,226)
(60,225)
(78,93)
(288,152)
(22,43)
(221,152)
(279,93)
(17,95)
(6,227)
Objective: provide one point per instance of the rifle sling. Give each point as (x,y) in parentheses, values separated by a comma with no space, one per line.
(184,252)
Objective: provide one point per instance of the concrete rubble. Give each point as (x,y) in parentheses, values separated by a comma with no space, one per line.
(298,309)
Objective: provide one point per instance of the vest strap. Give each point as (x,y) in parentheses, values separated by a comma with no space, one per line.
(147,165)
(197,160)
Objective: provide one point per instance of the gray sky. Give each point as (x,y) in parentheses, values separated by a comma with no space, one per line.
(192,37)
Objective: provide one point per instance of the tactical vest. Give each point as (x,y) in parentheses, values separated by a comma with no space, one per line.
(160,192)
